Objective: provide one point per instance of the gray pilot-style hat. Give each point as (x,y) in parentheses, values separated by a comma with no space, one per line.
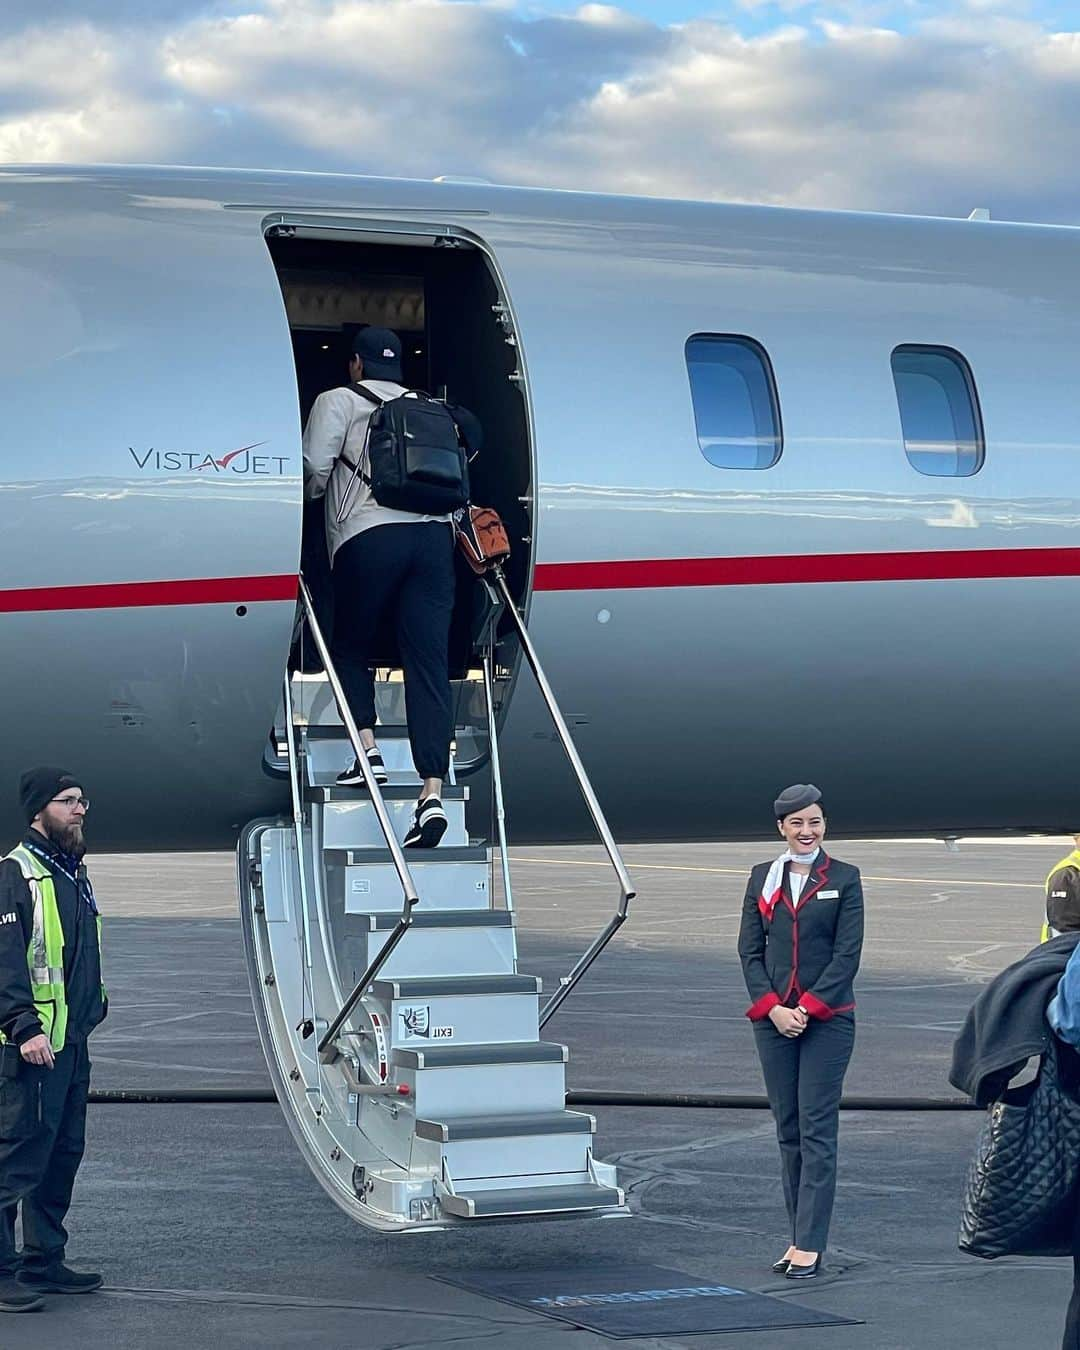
(796,798)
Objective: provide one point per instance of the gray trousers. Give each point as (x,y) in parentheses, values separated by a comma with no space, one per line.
(804,1077)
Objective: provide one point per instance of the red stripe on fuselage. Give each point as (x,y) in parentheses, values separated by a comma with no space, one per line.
(802,568)
(149,594)
(632,574)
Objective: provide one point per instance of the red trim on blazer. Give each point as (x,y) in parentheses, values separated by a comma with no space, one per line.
(763,1006)
(817,879)
(822,1011)
(767,906)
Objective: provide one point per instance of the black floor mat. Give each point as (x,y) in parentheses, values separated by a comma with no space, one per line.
(627,1301)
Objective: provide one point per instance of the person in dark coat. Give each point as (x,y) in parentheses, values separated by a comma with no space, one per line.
(1006,1025)
(1012,1022)
(800,942)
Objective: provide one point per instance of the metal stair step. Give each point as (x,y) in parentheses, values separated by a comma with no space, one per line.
(504,1127)
(456,986)
(447,918)
(345,818)
(392,792)
(391,731)
(583,1197)
(471,1056)
(449,878)
(424,1009)
(365,857)
(325,756)
(439,944)
(335,731)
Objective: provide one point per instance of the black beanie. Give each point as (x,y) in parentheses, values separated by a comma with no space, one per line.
(37,787)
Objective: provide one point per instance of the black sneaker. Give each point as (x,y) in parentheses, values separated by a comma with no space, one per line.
(353,776)
(429,824)
(14,1298)
(59,1279)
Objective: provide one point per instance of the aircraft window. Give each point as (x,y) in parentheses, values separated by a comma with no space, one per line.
(939,411)
(735,404)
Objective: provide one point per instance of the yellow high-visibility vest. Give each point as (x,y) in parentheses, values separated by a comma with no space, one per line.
(45,955)
(1070,860)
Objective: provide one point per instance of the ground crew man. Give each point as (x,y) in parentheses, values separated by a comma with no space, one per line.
(1063,895)
(51,998)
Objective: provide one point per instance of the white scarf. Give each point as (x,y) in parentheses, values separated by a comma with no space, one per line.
(774,879)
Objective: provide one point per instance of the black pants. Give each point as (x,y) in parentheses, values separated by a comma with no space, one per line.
(405,572)
(804,1076)
(42,1138)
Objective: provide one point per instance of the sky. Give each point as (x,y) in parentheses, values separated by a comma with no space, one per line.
(883,105)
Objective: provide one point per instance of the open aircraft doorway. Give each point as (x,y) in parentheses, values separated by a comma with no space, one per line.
(403,1042)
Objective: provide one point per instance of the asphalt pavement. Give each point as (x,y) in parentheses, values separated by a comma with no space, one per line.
(211,1233)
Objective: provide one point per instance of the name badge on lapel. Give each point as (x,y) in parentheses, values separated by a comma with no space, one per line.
(828,895)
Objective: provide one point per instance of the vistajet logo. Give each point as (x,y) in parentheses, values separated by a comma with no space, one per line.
(241,461)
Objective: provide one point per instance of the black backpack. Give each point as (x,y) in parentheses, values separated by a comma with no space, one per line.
(415,458)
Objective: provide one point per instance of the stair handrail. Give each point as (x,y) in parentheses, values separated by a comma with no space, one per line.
(497,578)
(298,834)
(410,894)
(496,780)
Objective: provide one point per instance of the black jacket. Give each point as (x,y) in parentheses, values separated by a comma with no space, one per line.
(82,957)
(1007,1023)
(806,955)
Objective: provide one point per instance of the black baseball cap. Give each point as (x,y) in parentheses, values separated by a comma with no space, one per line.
(380,351)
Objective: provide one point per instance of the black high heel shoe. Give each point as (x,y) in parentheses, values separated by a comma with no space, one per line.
(803,1272)
(780,1267)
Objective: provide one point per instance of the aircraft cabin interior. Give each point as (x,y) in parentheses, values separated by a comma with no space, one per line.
(445,304)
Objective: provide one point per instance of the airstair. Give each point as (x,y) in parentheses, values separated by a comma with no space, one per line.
(403,1042)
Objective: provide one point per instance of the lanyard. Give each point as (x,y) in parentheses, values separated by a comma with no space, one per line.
(78,879)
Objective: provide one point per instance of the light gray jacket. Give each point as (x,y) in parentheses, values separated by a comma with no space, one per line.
(338,423)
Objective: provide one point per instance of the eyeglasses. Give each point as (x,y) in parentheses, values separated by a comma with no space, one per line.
(72,802)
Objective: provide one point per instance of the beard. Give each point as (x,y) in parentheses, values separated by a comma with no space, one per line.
(68,838)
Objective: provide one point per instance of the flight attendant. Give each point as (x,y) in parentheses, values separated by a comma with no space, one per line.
(800,941)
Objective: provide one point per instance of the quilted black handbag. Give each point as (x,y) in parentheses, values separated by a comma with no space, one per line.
(1021,1193)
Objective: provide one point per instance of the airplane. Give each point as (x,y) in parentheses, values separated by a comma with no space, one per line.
(713,630)
(789,494)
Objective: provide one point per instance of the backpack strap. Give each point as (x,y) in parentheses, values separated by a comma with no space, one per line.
(356,470)
(369,394)
(372,397)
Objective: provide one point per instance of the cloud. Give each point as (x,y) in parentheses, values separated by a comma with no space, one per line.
(413,86)
(837,107)
(846,116)
(70,95)
(108,13)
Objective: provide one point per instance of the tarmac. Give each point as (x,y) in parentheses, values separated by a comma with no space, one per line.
(211,1233)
